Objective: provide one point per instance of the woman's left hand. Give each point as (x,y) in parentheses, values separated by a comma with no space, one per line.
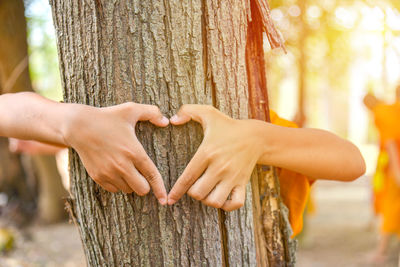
(219,171)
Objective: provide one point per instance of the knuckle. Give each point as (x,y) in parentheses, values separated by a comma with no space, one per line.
(184,107)
(196,194)
(130,105)
(109,188)
(98,178)
(210,108)
(228,208)
(107,171)
(152,177)
(128,153)
(211,152)
(154,110)
(127,191)
(223,170)
(127,107)
(139,157)
(187,181)
(215,203)
(237,203)
(117,166)
(142,191)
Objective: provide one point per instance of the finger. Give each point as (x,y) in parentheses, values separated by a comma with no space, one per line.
(108,187)
(192,172)
(204,185)
(14,145)
(218,196)
(122,185)
(150,113)
(238,196)
(150,172)
(199,113)
(135,180)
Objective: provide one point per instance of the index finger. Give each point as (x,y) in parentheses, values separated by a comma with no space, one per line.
(151,113)
(147,168)
(192,172)
(199,113)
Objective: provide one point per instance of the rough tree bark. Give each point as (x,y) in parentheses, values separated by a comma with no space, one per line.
(14,77)
(166,53)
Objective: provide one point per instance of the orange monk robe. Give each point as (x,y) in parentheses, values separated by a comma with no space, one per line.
(386,189)
(294,187)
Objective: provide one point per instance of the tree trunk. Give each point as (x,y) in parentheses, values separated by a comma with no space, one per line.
(166,53)
(14,77)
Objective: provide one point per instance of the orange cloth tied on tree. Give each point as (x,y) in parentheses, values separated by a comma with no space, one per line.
(386,189)
(294,187)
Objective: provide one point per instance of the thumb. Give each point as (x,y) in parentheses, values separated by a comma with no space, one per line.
(150,113)
(200,113)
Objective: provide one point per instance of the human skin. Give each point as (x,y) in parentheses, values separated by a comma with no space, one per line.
(223,163)
(31,147)
(104,138)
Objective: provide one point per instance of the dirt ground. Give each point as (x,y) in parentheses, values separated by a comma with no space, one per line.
(46,246)
(339,234)
(342,232)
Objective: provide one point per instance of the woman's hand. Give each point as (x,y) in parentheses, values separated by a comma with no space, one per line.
(222,166)
(106,142)
(219,171)
(103,137)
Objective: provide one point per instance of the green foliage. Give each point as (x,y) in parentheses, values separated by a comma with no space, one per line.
(43,60)
(329,42)
(6,240)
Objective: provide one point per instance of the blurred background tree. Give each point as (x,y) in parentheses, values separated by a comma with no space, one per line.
(43,59)
(17,177)
(337,51)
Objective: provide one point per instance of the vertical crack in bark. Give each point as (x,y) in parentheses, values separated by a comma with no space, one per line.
(207,76)
(205,45)
(224,238)
(188,232)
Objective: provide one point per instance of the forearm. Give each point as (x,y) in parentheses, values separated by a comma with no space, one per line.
(315,153)
(32,117)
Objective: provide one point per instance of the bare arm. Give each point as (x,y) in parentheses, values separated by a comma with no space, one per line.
(223,164)
(32,117)
(315,153)
(31,147)
(103,137)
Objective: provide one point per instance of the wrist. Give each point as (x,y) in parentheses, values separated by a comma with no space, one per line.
(73,114)
(264,134)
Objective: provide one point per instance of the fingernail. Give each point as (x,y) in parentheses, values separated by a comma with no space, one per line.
(162,201)
(174,118)
(171,201)
(164,120)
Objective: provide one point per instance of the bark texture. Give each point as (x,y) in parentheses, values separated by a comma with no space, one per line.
(271,227)
(166,53)
(14,77)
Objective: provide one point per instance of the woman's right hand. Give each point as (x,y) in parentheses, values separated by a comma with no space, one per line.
(106,142)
